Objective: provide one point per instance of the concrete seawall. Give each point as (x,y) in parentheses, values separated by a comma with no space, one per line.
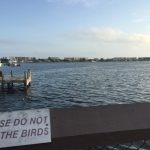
(101,125)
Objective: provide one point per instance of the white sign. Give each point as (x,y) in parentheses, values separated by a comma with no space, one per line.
(24,127)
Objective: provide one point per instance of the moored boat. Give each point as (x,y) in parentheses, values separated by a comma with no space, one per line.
(13,63)
(1,64)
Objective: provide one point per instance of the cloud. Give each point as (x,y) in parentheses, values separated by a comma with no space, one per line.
(111,35)
(139,20)
(86,3)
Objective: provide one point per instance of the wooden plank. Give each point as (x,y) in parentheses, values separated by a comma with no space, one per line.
(14,79)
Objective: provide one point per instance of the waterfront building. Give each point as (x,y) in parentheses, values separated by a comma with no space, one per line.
(75,59)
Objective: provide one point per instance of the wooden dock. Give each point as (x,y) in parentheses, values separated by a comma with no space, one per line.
(10,80)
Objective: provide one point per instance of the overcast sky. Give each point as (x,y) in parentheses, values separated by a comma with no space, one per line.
(80,28)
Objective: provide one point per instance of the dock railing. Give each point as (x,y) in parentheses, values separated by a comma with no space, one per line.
(101,125)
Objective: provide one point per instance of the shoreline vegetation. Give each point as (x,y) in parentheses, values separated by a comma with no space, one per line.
(5,60)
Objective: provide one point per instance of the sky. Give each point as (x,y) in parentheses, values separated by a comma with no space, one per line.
(75,28)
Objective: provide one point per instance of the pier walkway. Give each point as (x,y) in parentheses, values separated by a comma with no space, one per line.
(10,80)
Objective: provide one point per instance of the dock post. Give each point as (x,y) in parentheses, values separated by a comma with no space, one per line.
(12,84)
(30,79)
(27,74)
(25,79)
(8,85)
(11,76)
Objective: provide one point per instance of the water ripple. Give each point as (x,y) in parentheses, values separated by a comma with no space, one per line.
(79,84)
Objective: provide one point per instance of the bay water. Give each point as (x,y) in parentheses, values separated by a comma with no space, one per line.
(57,85)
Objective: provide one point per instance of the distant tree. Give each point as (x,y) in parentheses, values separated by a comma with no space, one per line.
(4,60)
(102,59)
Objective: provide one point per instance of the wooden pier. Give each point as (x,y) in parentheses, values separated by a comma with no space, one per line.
(10,80)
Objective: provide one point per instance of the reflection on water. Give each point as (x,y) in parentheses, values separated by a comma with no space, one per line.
(15,90)
(78,84)
(14,97)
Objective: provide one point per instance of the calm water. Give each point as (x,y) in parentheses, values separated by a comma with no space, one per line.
(79,84)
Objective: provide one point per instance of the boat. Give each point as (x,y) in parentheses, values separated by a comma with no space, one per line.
(13,63)
(1,64)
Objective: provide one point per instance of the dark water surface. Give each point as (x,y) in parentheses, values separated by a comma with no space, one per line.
(78,84)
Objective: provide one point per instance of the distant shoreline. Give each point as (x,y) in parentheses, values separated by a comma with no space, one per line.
(20,60)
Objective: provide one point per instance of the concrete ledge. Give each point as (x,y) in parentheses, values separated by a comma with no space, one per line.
(112,124)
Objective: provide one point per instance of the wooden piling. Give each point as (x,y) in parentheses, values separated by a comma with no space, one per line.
(25,79)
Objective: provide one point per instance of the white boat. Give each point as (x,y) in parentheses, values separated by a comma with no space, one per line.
(1,64)
(13,63)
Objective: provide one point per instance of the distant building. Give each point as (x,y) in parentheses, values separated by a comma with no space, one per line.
(119,59)
(124,59)
(75,59)
(25,59)
(144,58)
(54,59)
